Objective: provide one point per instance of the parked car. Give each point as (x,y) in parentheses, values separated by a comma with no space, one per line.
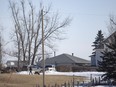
(36,69)
(50,68)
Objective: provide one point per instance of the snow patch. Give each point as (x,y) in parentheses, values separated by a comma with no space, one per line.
(86,74)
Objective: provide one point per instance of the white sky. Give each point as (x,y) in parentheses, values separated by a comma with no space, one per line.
(88,16)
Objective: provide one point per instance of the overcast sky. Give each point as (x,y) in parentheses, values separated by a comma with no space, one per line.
(88,16)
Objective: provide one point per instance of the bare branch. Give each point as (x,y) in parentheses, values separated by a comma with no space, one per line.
(28,29)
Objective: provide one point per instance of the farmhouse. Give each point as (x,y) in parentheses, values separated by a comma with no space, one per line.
(67,61)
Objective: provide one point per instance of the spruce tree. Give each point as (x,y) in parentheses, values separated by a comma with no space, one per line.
(98,43)
(108,63)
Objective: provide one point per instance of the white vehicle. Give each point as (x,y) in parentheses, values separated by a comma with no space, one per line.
(36,69)
(50,68)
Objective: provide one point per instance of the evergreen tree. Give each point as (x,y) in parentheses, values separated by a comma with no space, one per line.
(108,63)
(98,43)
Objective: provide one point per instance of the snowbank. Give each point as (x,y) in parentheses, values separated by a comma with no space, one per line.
(86,74)
(105,86)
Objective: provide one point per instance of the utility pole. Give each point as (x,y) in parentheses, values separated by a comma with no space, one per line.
(19,52)
(43,49)
(0,51)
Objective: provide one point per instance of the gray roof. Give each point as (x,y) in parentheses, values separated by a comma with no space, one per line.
(66,59)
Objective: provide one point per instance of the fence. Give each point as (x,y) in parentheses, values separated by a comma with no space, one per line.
(91,83)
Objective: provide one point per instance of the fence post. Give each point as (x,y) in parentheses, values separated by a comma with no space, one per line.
(91,77)
(77,83)
(73,80)
(95,81)
(65,84)
(71,84)
(55,85)
(99,81)
(83,84)
(68,84)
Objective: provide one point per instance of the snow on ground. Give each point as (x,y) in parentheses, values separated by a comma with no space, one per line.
(24,72)
(97,86)
(104,86)
(86,74)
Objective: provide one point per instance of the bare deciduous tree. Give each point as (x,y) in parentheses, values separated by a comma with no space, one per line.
(112,24)
(1,47)
(27,31)
(0,52)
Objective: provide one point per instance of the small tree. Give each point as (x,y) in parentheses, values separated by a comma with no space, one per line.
(108,63)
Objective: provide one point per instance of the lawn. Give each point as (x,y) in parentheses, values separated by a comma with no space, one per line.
(17,80)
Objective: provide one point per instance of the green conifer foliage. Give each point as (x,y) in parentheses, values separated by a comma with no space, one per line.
(98,43)
(108,63)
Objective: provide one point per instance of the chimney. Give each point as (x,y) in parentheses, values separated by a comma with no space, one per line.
(72,54)
(54,53)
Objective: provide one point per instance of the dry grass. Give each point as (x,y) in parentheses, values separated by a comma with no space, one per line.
(14,80)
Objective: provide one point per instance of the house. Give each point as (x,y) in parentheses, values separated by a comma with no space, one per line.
(66,61)
(11,63)
(14,63)
(97,57)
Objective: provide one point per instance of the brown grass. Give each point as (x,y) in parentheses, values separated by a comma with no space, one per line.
(14,80)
